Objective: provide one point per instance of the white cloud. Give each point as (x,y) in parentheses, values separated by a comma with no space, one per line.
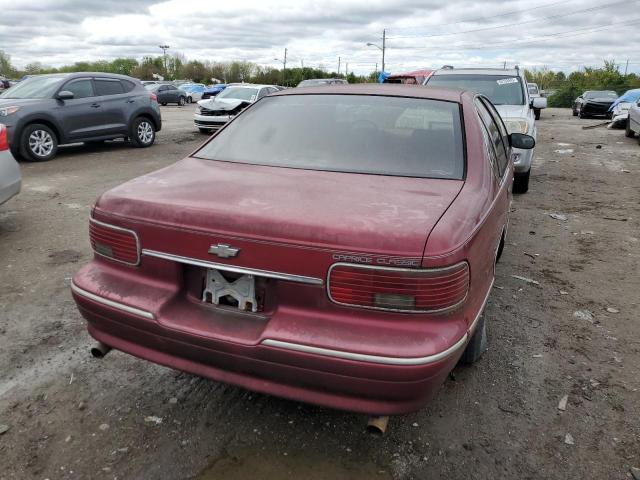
(421,33)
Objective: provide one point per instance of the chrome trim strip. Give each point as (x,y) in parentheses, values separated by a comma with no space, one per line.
(111,303)
(361,357)
(232,268)
(384,360)
(395,269)
(115,227)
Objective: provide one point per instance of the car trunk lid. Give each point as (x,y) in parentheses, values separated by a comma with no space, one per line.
(280,219)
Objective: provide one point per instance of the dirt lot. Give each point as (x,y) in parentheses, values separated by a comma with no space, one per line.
(575,333)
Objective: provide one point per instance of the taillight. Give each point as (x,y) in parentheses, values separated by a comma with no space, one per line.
(4,138)
(154,97)
(113,242)
(399,289)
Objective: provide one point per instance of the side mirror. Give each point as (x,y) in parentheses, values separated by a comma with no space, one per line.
(539,103)
(65,95)
(520,140)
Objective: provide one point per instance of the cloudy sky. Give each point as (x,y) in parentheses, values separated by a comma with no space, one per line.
(563,35)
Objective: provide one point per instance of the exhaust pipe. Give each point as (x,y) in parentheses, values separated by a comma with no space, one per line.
(378,425)
(99,350)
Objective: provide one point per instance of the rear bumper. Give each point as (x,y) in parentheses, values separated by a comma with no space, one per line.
(329,377)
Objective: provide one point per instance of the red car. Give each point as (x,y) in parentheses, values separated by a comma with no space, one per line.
(332,245)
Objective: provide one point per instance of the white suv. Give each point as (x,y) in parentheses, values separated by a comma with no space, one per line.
(507,90)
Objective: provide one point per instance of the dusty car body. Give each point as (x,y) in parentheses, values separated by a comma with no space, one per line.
(10,178)
(332,245)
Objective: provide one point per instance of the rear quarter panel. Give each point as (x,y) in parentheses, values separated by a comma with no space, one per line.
(472,227)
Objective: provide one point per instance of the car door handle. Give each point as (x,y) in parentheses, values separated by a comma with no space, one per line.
(95,105)
(130,101)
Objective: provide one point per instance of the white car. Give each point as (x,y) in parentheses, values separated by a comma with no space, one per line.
(621,107)
(213,113)
(194,91)
(10,179)
(534,92)
(508,91)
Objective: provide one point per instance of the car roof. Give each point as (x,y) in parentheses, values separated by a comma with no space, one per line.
(478,71)
(381,89)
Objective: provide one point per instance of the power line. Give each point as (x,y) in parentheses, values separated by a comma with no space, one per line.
(568,33)
(513,12)
(550,17)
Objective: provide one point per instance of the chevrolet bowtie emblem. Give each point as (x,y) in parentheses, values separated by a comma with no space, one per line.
(224,251)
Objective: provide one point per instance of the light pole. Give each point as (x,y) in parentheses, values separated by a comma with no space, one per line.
(381,48)
(284,66)
(164,54)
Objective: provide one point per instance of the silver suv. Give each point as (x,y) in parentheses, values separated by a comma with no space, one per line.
(507,90)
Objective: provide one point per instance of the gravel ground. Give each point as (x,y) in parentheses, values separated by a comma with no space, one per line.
(572,334)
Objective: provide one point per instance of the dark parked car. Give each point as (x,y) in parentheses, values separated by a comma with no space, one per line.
(168,93)
(333,245)
(4,84)
(213,90)
(45,111)
(594,103)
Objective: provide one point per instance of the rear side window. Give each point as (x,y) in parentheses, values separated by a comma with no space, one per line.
(495,134)
(80,88)
(108,87)
(370,134)
(127,85)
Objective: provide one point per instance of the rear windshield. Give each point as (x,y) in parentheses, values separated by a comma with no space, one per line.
(381,135)
(500,89)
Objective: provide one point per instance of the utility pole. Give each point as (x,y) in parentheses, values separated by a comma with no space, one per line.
(626,67)
(164,54)
(302,63)
(284,68)
(504,67)
(376,69)
(384,45)
(339,59)
(346,69)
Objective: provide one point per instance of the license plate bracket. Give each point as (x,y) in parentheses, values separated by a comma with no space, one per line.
(242,289)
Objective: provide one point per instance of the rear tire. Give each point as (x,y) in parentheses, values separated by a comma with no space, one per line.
(181,101)
(574,112)
(627,131)
(537,114)
(142,133)
(38,143)
(477,345)
(580,114)
(521,182)
(164,104)
(189,100)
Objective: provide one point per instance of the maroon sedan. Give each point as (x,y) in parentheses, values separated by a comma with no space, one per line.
(332,245)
